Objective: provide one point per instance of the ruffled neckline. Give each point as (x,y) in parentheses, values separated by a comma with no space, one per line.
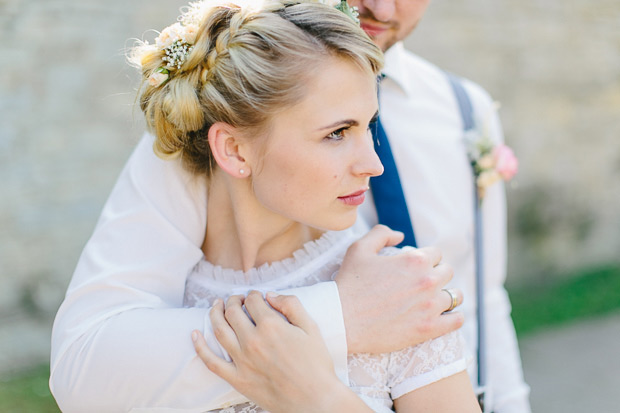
(312,255)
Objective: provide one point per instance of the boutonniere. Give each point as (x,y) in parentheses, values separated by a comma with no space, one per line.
(491,162)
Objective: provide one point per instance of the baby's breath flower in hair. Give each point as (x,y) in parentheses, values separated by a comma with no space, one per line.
(177,53)
(176,42)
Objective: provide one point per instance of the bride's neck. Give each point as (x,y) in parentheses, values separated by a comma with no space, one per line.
(242,234)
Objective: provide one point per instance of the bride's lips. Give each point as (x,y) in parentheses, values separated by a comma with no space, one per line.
(355,198)
(372,30)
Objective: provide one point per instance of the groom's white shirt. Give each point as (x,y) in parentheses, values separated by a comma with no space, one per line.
(422,120)
(120,327)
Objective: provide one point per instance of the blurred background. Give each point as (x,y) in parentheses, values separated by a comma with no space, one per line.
(68,124)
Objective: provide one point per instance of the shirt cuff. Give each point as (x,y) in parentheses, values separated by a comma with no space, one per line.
(322,302)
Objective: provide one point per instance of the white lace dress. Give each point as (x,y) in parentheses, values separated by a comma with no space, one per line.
(377,378)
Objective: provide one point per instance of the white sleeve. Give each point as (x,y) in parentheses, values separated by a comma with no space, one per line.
(120,339)
(507,388)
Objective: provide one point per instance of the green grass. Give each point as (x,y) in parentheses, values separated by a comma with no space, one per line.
(27,392)
(586,294)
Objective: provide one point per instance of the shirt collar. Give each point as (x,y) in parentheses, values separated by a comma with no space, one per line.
(394,68)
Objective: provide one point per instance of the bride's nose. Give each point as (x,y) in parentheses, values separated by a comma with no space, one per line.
(367,161)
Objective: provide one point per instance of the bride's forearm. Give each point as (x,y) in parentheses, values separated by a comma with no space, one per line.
(450,394)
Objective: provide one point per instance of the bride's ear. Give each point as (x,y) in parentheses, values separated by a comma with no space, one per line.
(226,147)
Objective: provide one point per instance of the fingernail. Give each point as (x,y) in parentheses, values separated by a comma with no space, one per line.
(217,301)
(272,294)
(194,336)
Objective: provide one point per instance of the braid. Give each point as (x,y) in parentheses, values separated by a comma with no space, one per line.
(241,65)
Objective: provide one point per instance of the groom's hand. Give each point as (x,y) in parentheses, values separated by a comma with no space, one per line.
(391,302)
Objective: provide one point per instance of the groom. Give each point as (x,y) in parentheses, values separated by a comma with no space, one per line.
(423,123)
(120,341)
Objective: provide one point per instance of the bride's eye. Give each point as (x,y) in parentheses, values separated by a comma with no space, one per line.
(337,135)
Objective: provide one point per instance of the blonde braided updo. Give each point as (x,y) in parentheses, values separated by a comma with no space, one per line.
(247,60)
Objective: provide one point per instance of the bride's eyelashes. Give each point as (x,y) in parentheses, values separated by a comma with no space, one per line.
(374,119)
(338,134)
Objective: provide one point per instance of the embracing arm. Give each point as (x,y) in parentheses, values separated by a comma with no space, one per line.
(120,338)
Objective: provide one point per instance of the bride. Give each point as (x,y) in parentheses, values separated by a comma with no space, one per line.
(272,102)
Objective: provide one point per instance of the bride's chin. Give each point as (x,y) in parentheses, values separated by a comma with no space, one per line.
(345,222)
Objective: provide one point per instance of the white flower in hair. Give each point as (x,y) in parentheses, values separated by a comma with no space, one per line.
(191,31)
(159,77)
(169,35)
(176,42)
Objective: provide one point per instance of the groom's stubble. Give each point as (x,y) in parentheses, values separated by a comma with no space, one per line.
(389,21)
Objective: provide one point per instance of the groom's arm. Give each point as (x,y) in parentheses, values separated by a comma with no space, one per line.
(120,338)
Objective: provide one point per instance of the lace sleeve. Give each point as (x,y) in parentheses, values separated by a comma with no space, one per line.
(426,363)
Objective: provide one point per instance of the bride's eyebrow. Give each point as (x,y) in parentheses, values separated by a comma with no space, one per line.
(347,123)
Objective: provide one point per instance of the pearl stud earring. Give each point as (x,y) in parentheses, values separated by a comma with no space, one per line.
(241,171)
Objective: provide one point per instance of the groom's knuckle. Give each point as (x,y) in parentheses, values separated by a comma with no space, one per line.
(425,326)
(459,319)
(426,282)
(355,247)
(409,260)
(427,305)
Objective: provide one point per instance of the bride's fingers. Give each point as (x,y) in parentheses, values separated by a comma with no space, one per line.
(237,318)
(224,333)
(221,367)
(258,308)
(291,308)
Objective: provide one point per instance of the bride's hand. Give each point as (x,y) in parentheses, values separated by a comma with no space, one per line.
(281,366)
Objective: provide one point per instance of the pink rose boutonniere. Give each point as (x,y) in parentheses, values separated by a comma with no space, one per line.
(491,162)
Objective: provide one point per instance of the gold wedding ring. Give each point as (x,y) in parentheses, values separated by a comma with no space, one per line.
(453,297)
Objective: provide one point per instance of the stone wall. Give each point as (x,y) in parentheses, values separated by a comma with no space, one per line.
(554,66)
(67,125)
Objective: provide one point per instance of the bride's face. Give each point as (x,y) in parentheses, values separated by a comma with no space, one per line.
(315,164)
